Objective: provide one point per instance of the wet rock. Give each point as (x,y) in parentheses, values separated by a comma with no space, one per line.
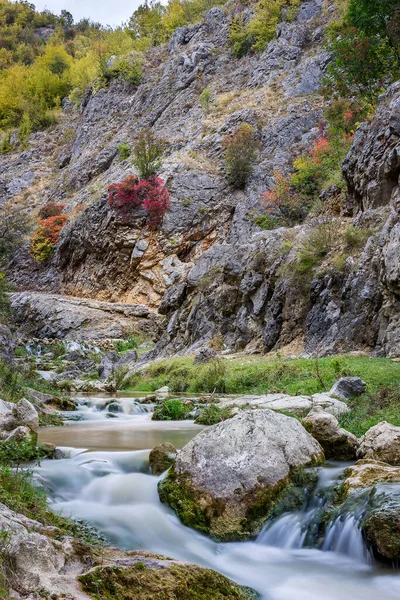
(381,442)
(348,387)
(7,344)
(373,487)
(226,480)
(162,457)
(162,392)
(368,473)
(338,444)
(205,355)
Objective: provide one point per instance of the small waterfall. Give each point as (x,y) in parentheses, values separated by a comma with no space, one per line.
(99,408)
(295,530)
(344,536)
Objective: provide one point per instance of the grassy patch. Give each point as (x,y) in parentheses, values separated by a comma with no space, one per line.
(124,345)
(372,408)
(264,374)
(13,381)
(213,414)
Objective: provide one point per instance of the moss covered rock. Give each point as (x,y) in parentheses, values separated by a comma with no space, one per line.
(374,487)
(151,577)
(162,457)
(227,480)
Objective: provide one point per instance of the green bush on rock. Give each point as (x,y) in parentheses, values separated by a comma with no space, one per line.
(172,409)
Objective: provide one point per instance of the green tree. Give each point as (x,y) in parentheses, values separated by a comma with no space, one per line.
(365,48)
(147,22)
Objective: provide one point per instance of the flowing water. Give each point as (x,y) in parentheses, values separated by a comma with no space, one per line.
(109,486)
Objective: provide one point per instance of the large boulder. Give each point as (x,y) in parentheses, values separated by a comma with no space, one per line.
(7,345)
(381,442)
(162,457)
(381,524)
(338,444)
(226,480)
(348,387)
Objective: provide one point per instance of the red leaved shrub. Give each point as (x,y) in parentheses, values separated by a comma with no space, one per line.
(133,194)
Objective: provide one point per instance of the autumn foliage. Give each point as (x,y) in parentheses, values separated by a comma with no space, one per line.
(134,195)
(45,237)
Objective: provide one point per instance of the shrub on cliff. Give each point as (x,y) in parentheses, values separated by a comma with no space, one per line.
(132,195)
(147,153)
(261,28)
(45,237)
(240,151)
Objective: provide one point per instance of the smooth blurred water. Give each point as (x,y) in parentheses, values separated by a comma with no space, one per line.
(114,491)
(116,423)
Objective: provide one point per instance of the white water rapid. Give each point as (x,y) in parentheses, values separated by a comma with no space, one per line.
(114,492)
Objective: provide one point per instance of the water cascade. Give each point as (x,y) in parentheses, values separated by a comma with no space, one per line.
(114,492)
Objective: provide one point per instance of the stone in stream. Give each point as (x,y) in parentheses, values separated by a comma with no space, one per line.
(226,480)
(378,485)
(162,457)
(381,442)
(162,393)
(338,444)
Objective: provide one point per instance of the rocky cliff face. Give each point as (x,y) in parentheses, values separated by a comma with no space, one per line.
(210,270)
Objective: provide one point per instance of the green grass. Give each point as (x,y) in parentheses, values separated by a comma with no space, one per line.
(263,375)
(372,408)
(13,380)
(124,345)
(213,414)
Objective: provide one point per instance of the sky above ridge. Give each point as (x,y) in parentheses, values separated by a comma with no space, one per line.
(107,12)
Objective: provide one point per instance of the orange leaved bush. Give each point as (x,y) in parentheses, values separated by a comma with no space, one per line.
(45,237)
